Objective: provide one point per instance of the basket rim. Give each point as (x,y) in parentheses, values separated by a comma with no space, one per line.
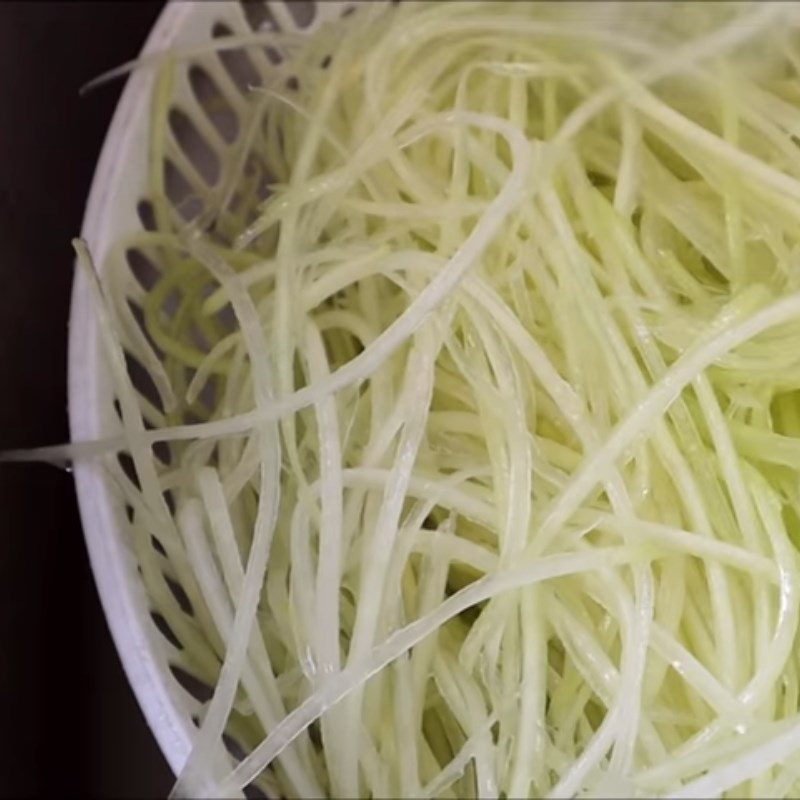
(113,567)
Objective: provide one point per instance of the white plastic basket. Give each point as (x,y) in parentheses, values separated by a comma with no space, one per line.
(114,209)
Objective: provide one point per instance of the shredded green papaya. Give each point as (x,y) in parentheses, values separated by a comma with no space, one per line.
(471,420)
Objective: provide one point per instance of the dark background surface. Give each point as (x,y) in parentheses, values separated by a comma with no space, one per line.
(69,723)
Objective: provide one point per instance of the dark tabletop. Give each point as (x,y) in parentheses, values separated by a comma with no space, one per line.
(69,724)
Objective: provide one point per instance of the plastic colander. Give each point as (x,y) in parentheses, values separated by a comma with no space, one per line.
(169,696)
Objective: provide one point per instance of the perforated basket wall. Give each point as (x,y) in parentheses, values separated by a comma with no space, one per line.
(209,100)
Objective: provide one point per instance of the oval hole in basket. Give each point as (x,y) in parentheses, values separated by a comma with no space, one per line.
(142,268)
(179,593)
(196,149)
(207,395)
(179,192)
(147,214)
(303,12)
(236,62)
(163,452)
(233,747)
(315,734)
(169,499)
(198,689)
(227,318)
(128,469)
(142,381)
(258,15)
(218,110)
(165,630)
(171,303)
(157,546)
